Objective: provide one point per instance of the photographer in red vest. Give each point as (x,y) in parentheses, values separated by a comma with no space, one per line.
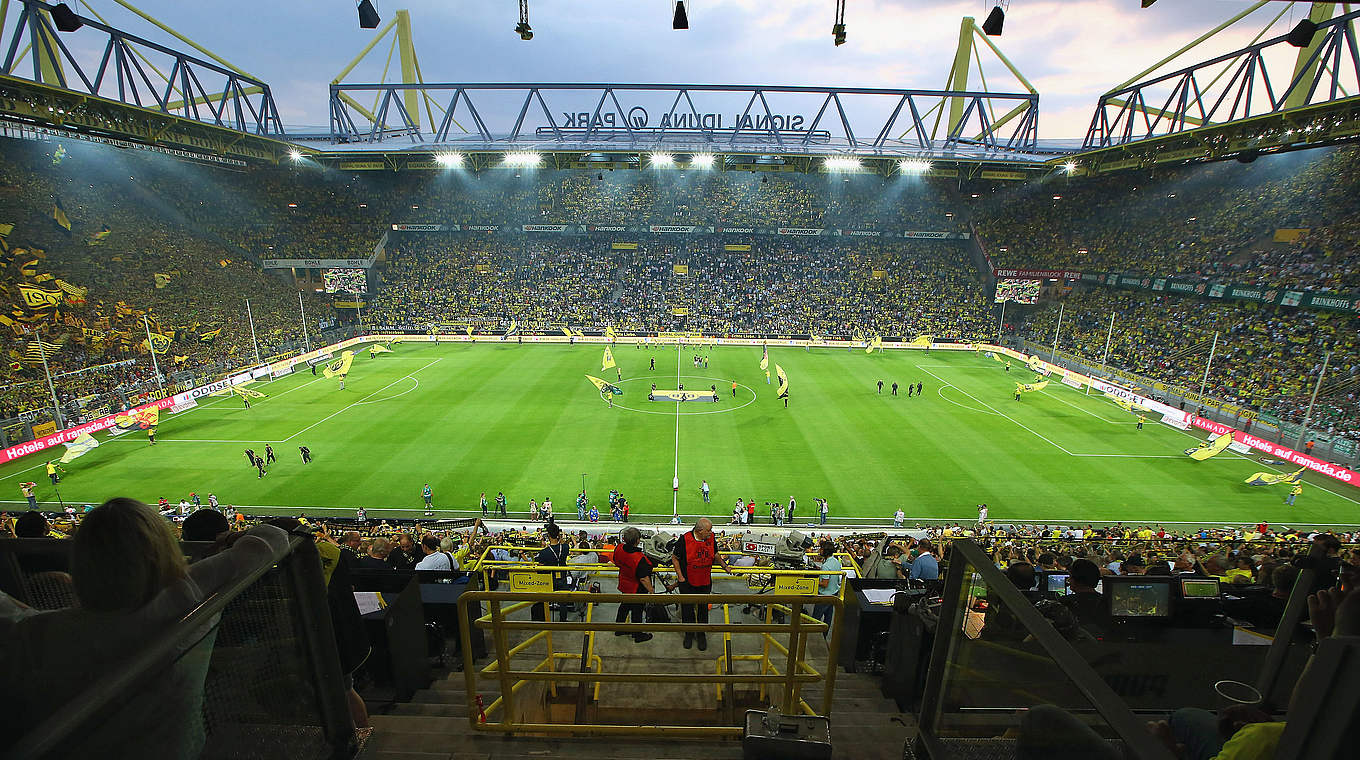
(635,577)
(693,557)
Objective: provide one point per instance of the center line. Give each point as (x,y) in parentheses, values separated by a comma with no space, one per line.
(675,493)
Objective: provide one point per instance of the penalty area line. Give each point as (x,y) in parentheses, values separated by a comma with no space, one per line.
(994,410)
(365,398)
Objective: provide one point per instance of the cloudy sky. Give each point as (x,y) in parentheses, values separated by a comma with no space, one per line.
(1072,50)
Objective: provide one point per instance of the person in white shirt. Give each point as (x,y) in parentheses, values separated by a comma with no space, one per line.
(434,558)
(824,509)
(982,514)
(898,517)
(547,508)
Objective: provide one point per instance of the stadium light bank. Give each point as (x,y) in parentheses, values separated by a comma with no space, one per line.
(526,159)
(449,160)
(701,161)
(841,164)
(661,160)
(913,166)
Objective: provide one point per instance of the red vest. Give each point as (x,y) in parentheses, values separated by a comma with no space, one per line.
(627,563)
(699,557)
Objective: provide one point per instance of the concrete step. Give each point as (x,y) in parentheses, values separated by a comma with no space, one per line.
(458,710)
(389,744)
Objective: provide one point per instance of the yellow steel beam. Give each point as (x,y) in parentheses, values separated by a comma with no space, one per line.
(213,98)
(1188,46)
(958,73)
(1198,122)
(408,67)
(1000,56)
(1304,70)
(168,30)
(48,54)
(362,53)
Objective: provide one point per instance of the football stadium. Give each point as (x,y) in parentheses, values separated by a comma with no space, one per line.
(929,429)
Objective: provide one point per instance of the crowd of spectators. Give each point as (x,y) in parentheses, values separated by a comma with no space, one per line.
(789,285)
(1215,221)
(1267,357)
(209,281)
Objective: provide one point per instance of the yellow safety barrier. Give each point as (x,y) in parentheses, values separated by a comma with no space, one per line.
(786,679)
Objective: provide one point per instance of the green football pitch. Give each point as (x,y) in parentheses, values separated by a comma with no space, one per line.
(523,419)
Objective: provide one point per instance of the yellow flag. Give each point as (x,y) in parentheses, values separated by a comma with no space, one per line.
(1209,448)
(765,359)
(339,367)
(1027,387)
(783,390)
(922,341)
(608,360)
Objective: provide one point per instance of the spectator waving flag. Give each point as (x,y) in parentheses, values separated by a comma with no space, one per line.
(608,360)
(1209,448)
(82,445)
(339,367)
(1273,478)
(604,386)
(59,216)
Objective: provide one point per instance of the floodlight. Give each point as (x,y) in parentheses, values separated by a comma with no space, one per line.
(368,15)
(295,154)
(701,161)
(449,159)
(662,159)
(841,164)
(992,26)
(681,19)
(913,166)
(1302,34)
(65,19)
(523,158)
(1070,166)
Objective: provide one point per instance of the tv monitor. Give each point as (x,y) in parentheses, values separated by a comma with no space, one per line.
(1056,582)
(1200,588)
(1138,597)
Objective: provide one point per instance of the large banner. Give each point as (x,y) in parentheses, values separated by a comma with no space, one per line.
(1279,451)
(70,434)
(1170,414)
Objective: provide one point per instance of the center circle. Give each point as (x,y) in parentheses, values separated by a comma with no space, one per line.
(669,411)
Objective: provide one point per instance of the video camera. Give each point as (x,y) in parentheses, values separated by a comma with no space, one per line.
(785,551)
(658,546)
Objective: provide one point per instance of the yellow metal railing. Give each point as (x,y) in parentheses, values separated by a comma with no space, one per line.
(787,678)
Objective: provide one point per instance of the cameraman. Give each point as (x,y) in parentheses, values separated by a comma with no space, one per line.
(554,554)
(635,577)
(827,585)
(693,558)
